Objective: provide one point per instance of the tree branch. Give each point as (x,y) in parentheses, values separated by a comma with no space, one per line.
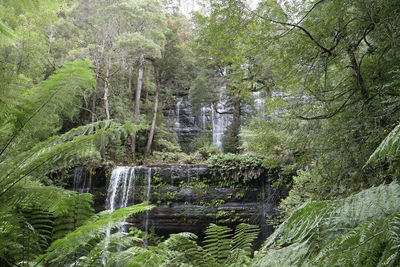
(220,112)
(327,116)
(325,50)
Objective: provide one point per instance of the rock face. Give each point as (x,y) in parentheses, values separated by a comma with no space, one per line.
(182,122)
(186,199)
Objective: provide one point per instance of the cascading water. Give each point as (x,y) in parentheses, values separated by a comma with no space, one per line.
(121,181)
(177,123)
(80,185)
(203,117)
(119,191)
(220,122)
(146,224)
(259,102)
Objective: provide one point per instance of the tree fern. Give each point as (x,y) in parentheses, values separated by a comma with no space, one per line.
(71,213)
(244,236)
(360,230)
(389,146)
(29,148)
(222,248)
(79,242)
(41,223)
(218,242)
(107,250)
(183,248)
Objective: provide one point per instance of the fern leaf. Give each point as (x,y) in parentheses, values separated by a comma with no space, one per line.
(244,236)
(60,252)
(355,231)
(389,146)
(218,242)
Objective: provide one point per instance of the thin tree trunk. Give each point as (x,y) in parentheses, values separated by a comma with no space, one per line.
(106,93)
(137,102)
(94,95)
(236,118)
(106,89)
(153,123)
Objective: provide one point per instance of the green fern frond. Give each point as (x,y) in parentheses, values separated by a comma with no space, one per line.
(65,250)
(38,112)
(71,213)
(6,32)
(359,230)
(389,146)
(244,236)
(183,248)
(108,248)
(218,242)
(238,258)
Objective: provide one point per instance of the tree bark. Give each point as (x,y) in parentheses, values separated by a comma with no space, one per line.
(94,105)
(153,123)
(137,102)
(106,89)
(236,117)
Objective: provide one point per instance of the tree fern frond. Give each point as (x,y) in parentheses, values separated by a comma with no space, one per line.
(183,248)
(78,143)
(129,257)
(61,251)
(218,242)
(389,146)
(41,108)
(108,248)
(244,236)
(295,254)
(238,258)
(71,213)
(6,32)
(359,230)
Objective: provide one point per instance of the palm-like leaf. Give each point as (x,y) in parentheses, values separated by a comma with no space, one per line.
(360,230)
(78,243)
(389,146)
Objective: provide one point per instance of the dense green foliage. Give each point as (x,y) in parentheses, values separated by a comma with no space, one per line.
(222,249)
(244,167)
(83,245)
(361,230)
(75,74)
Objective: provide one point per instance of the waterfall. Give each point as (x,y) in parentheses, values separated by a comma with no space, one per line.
(220,122)
(259,102)
(203,117)
(146,224)
(80,180)
(120,186)
(177,123)
(122,183)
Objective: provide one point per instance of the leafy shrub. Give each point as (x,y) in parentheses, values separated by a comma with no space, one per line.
(169,157)
(208,150)
(236,167)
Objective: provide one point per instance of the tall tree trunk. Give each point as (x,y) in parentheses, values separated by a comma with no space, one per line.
(94,95)
(153,123)
(236,119)
(106,93)
(137,102)
(106,89)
